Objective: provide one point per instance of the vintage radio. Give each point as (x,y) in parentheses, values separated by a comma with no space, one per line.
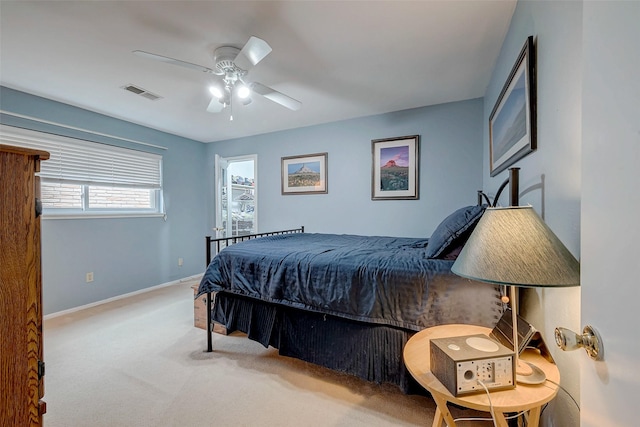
(461,363)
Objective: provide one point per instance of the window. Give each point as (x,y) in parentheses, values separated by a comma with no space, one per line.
(92,179)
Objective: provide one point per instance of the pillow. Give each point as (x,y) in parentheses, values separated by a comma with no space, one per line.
(454,231)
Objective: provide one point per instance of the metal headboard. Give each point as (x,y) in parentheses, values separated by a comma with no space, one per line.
(514,184)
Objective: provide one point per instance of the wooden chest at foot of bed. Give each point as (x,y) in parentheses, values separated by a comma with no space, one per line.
(200,313)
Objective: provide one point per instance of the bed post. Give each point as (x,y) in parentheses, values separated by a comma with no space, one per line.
(514,186)
(209,329)
(208,251)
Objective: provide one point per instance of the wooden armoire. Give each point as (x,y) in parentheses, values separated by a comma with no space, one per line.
(21,353)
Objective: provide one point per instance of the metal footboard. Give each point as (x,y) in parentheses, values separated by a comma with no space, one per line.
(216,245)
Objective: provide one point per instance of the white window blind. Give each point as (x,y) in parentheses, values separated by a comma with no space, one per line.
(90,163)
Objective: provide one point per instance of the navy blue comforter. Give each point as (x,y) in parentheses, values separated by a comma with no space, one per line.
(382,280)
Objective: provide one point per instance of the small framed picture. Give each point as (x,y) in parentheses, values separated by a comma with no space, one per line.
(512,124)
(394,171)
(304,174)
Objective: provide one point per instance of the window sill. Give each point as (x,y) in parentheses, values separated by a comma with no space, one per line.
(103,216)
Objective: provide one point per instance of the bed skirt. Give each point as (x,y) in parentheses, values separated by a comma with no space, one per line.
(370,352)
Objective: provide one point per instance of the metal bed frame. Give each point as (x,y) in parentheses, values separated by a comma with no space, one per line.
(213,246)
(514,190)
(216,245)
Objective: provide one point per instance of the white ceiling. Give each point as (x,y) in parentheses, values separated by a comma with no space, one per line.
(340,59)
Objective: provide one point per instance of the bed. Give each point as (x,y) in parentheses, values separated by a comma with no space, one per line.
(346,302)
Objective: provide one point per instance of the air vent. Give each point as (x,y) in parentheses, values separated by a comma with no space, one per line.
(139,91)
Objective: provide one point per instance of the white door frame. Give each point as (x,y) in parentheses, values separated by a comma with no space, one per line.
(223,163)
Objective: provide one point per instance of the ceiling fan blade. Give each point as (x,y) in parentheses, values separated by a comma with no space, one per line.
(173,61)
(215,106)
(252,52)
(275,96)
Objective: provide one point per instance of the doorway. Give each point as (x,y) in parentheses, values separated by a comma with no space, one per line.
(236,195)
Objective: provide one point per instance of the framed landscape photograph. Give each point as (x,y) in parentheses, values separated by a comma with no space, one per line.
(512,124)
(394,171)
(304,174)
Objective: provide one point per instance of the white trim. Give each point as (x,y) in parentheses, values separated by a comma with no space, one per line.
(219,160)
(48,216)
(119,297)
(35,119)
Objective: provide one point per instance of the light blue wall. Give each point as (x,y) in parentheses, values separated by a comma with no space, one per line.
(450,171)
(551,176)
(129,254)
(125,254)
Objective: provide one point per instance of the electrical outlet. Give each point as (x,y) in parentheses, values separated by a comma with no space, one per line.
(90,277)
(180,262)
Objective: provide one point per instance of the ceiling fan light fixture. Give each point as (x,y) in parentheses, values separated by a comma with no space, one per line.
(243,91)
(216,91)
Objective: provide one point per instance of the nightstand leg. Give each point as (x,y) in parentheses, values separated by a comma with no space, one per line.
(442,414)
(501,421)
(534,417)
(437,419)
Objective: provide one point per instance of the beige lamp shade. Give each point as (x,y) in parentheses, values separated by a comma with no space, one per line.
(513,246)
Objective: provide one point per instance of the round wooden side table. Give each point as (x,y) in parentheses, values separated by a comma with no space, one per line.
(524,397)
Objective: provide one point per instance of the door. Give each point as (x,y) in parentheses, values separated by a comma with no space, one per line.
(236,195)
(222,192)
(610,231)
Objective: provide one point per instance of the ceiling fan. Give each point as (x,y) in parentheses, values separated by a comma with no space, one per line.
(233,65)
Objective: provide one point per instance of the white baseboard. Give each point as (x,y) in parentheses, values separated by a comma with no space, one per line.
(118,297)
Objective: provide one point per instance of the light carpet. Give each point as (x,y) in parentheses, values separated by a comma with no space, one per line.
(139,361)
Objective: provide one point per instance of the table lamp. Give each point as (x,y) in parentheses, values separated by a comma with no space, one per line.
(513,246)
